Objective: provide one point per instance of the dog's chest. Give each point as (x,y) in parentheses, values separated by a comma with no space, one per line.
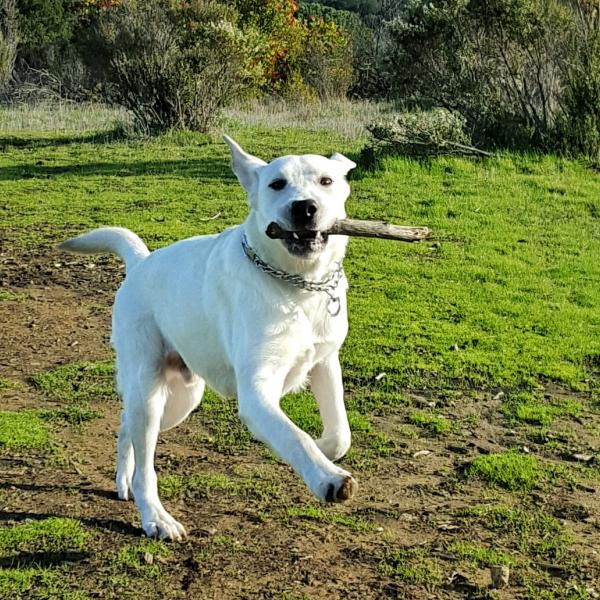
(314,334)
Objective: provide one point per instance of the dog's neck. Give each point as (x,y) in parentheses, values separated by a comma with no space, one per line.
(275,254)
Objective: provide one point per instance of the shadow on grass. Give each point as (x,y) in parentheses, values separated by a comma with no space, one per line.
(207,168)
(26,560)
(104,137)
(31,487)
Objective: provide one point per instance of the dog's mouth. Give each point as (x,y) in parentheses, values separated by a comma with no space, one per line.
(301,242)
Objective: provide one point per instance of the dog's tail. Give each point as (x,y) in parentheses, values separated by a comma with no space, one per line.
(116,240)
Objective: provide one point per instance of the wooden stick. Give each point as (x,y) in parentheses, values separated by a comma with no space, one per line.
(370,229)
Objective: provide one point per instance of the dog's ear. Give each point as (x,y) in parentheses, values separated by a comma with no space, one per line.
(346,163)
(244,166)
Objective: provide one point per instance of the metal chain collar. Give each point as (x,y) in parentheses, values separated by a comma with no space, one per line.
(328,285)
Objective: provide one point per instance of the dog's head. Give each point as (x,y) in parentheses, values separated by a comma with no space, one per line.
(303,194)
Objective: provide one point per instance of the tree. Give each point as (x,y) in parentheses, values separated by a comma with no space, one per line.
(9,38)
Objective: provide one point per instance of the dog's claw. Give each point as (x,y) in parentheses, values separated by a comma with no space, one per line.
(165,528)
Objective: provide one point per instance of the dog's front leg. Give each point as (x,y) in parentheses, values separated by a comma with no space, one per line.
(328,388)
(259,409)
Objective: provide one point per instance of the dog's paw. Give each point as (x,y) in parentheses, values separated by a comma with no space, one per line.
(163,526)
(338,488)
(124,489)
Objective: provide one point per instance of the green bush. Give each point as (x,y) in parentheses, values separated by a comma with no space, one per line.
(499,63)
(325,63)
(580,126)
(171,64)
(359,56)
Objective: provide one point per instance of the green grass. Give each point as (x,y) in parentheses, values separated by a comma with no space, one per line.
(76,386)
(173,486)
(529,407)
(412,565)
(25,547)
(6,384)
(22,430)
(510,470)
(432,422)
(480,555)
(13,296)
(15,582)
(534,533)
(253,486)
(327,515)
(76,413)
(141,557)
(37,583)
(78,382)
(226,433)
(54,534)
(506,298)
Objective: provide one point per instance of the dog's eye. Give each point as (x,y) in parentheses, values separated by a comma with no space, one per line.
(326,181)
(278,184)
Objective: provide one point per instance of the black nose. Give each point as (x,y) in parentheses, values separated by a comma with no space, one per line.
(303,212)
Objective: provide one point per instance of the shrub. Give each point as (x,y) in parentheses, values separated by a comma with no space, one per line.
(580,126)
(359,56)
(418,134)
(325,63)
(171,64)
(499,63)
(299,56)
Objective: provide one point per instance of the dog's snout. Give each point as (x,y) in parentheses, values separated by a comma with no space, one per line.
(304,212)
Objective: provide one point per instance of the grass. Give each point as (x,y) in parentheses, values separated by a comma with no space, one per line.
(77,386)
(480,555)
(510,470)
(529,407)
(54,534)
(504,298)
(66,117)
(78,382)
(328,516)
(412,565)
(141,557)
(432,422)
(226,433)
(348,119)
(173,486)
(7,295)
(22,430)
(254,486)
(76,413)
(535,534)
(6,384)
(37,583)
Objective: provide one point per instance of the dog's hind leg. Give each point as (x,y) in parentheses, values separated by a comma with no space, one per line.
(144,389)
(125,462)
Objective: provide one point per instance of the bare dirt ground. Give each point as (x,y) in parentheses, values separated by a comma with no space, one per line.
(249,544)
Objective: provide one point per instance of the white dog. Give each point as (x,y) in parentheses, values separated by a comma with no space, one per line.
(251,316)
